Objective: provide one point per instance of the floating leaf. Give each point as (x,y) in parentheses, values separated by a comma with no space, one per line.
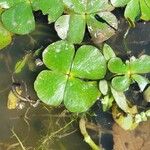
(142,81)
(58,56)
(62,84)
(145,9)
(119,3)
(54,8)
(115,65)
(50,87)
(89,63)
(19,18)
(121,83)
(80,95)
(132,12)
(108,52)
(5,37)
(141,65)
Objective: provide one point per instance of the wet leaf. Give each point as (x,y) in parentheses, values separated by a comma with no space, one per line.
(119,3)
(80,95)
(115,65)
(132,12)
(71,27)
(13,100)
(89,63)
(5,37)
(108,52)
(142,81)
(58,56)
(54,8)
(100,31)
(121,101)
(145,10)
(19,19)
(141,65)
(50,87)
(120,83)
(103,87)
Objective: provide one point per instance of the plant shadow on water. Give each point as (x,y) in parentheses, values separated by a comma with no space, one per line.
(31,125)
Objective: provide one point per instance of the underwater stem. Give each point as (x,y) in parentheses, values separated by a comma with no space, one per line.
(87,138)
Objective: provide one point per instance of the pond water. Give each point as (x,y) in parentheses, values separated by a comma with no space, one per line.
(32,126)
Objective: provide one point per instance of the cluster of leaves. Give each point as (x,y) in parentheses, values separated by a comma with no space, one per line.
(17,17)
(135,9)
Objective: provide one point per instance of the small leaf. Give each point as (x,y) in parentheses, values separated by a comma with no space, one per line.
(58,56)
(89,63)
(54,8)
(115,65)
(50,87)
(119,3)
(120,83)
(80,95)
(141,65)
(121,101)
(19,19)
(108,52)
(71,27)
(142,81)
(145,10)
(5,37)
(103,87)
(132,12)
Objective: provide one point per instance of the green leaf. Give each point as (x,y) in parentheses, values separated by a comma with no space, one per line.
(58,56)
(120,83)
(19,19)
(119,3)
(9,3)
(71,27)
(94,6)
(132,12)
(141,65)
(115,65)
(145,10)
(108,52)
(89,63)
(78,6)
(103,87)
(50,87)
(54,8)
(80,95)
(101,31)
(142,81)
(5,37)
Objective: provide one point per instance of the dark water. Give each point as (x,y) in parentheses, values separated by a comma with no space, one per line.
(32,124)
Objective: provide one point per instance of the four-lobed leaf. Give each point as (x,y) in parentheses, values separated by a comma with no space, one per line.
(129,71)
(96,14)
(66,80)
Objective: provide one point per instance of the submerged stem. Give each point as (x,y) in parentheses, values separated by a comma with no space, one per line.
(87,137)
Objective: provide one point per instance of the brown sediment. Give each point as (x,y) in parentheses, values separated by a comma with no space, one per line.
(138,139)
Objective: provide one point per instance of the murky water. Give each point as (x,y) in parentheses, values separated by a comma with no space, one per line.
(31,125)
